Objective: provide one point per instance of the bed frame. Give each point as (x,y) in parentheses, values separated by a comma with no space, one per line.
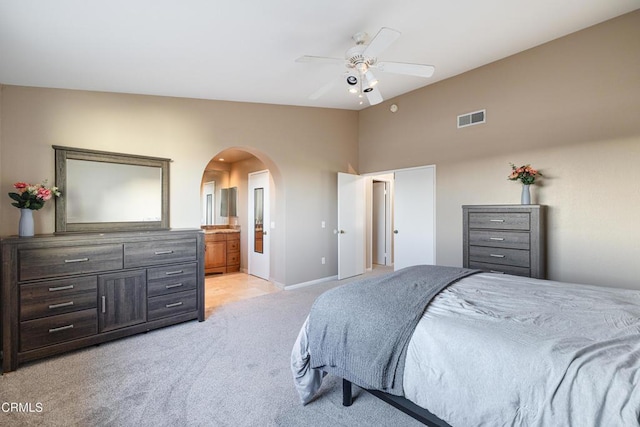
(405,405)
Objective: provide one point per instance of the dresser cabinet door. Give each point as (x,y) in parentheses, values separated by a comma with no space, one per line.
(122,299)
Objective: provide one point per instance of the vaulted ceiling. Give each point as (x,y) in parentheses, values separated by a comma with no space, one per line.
(245,50)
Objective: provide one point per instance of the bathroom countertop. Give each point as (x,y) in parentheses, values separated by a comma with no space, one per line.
(220,230)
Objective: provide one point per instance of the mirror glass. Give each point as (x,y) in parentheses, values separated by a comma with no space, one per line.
(119,192)
(258,207)
(219,202)
(104,191)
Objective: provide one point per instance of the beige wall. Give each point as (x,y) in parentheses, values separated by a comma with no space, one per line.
(571,109)
(303,148)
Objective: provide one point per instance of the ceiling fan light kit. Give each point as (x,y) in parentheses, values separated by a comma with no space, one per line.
(362,58)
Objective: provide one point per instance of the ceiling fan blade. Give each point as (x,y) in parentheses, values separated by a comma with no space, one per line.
(374,96)
(418,70)
(381,41)
(321,60)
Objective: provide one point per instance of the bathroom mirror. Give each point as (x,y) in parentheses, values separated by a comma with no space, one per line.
(219,202)
(104,191)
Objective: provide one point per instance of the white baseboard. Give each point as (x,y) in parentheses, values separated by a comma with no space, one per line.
(310,283)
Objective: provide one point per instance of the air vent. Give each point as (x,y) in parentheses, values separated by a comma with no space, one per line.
(474,118)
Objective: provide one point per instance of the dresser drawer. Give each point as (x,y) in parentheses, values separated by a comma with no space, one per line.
(57,297)
(61,261)
(175,278)
(172,304)
(140,254)
(499,239)
(55,329)
(503,221)
(501,269)
(500,256)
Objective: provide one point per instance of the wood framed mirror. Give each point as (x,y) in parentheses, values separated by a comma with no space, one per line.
(104,191)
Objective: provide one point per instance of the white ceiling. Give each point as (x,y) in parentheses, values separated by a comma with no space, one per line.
(245,50)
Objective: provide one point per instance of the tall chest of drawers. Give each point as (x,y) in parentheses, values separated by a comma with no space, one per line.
(64,292)
(506,239)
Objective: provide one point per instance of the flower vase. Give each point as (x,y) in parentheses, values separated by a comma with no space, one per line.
(25,226)
(525,197)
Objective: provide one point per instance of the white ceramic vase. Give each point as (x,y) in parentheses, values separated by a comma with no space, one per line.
(25,227)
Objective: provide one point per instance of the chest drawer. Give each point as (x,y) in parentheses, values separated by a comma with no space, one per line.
(497,220)
(500,269)
(57,297)
(61,261)
(175,278)
(172,304)
(140,254)
(56,329)
(499,239)
(501,256)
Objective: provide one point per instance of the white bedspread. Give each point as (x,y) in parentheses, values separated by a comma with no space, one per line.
(500,350)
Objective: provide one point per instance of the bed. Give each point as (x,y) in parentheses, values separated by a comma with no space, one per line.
(488,350)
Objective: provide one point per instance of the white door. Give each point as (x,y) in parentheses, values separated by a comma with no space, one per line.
(351,223)
(414,217)
(258,224)
(379,223)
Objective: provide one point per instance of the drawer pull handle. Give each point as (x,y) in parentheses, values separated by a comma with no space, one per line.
(60,288)
(496,271)
(496,256)
(163,252)
(498,239)
(175,304)
(104,304)
(61,328)
(496,220)
(76,260)
(176,285)
(62,304)
(169,273)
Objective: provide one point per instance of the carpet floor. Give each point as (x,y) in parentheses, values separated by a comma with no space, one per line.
(231,370)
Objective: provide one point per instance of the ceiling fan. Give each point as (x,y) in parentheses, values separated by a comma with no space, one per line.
(361,59)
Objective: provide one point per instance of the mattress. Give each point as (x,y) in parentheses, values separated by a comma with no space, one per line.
(502,350)
(494,350)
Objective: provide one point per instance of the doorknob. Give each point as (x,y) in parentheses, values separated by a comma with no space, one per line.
(264,233)
(341,231)
(395,231)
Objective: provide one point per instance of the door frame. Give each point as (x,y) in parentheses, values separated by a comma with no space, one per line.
(380,176)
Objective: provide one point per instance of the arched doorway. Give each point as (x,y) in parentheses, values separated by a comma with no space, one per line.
(225,216)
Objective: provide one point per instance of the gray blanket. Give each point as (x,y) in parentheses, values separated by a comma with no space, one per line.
(360,331)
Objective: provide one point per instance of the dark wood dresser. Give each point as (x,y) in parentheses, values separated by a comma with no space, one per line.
(64,292)
(506,239)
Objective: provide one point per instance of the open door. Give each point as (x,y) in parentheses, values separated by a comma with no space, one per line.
(351,225)
(258,208)
(414,217)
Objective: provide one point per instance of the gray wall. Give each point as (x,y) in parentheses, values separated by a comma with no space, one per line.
(570,108)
